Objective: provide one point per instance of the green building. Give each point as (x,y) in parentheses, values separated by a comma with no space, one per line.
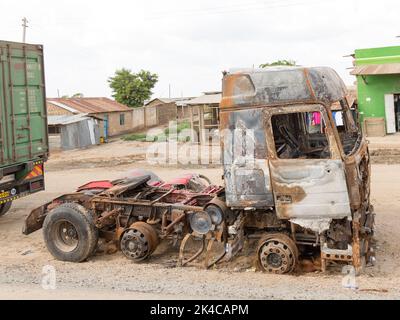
(378,85)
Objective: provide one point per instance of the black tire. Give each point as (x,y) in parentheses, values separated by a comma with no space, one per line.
(69,233)
(4,208)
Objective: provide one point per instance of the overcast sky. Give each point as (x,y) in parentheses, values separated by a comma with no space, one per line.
(189,43)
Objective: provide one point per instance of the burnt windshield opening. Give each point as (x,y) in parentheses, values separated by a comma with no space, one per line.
(301,136)
(349,133)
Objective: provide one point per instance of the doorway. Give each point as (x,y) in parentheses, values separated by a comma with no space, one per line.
(397,111)
(392,112)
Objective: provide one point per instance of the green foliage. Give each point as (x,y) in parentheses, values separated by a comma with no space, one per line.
(135,137)
(143,137)
(180,127)
(279,63)
(132,89)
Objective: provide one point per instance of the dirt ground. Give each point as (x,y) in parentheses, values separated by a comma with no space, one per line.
(115,277)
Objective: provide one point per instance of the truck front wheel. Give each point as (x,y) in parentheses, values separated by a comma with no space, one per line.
(4,208)
(69,233)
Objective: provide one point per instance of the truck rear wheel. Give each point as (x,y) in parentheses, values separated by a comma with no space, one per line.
(69,233)
(4,208)
(277,254)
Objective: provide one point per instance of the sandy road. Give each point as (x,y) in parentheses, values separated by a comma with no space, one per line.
(114,277)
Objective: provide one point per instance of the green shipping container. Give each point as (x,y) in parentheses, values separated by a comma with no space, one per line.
(23,123)
(24,143)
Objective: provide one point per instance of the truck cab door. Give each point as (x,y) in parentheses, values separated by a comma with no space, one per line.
(246,171)
(307,172)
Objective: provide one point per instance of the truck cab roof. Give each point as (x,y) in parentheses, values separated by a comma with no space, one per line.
(277,86)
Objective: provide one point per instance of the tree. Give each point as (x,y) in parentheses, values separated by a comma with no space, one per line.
(132,89)
(279,63)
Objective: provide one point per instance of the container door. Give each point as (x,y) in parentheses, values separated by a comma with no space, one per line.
(390,114)
(24,121)
(4,157)
(308,176)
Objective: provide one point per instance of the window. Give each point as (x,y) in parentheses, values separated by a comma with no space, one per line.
(54,129)
(122,119)
(301,136)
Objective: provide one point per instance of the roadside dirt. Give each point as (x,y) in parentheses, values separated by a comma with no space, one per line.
(121,153)
(114,277)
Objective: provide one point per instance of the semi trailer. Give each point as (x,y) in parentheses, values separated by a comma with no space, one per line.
(23,122)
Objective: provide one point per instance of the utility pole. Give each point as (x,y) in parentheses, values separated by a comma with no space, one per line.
(169,89)
(24,26)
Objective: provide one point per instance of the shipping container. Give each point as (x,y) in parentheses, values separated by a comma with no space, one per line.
(23,121)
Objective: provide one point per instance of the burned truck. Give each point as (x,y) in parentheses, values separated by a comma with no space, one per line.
(297,165)
(297,180)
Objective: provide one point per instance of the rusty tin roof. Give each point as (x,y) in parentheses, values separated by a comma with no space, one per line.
(89,105)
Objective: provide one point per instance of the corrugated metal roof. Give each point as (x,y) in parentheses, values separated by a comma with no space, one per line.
(64,120)
(63,106)
(169,100)
(206,99)
(375,69)
(90,105)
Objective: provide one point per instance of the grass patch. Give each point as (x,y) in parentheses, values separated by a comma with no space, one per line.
(135,137)
(180,127)
(143,137)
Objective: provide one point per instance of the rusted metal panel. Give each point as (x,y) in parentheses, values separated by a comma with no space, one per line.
(310,189)
(274,86)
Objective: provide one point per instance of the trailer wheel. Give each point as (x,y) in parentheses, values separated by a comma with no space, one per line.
(139,241)
(4,208)
(69,233)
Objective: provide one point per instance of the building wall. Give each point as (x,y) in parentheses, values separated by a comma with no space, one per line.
(377,55)
(114,126)
(372,89)
(138,118)
(151,117)
(371,95)
(166,113)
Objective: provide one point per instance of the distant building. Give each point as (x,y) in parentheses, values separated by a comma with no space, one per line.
(169,108)
(117,118)
(67,132)
(203,114)
(378,88)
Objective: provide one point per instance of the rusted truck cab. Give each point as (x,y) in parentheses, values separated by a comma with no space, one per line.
(296,163)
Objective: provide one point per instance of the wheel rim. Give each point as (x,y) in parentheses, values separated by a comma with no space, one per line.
(139,242)
(65,236)
(277,254)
